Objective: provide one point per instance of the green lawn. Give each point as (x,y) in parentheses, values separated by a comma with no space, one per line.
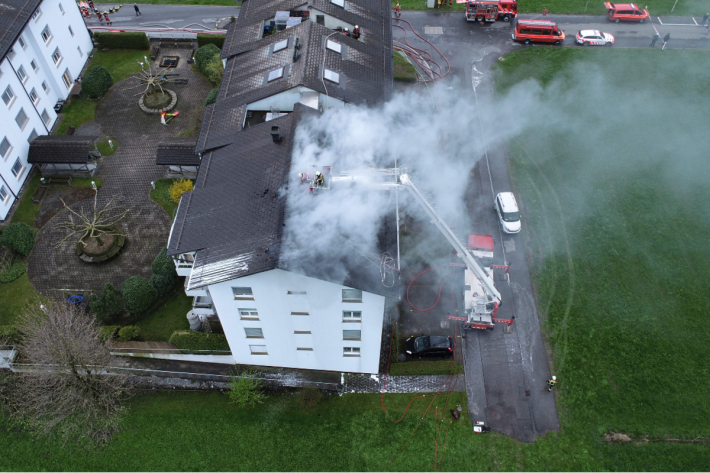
(27,211)
(169,316)
(614,196)
(14,296)
(76,113)
(105,149)
(424,367)
(403,70)
(161,197)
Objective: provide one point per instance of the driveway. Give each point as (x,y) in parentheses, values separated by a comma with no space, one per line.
(170,16)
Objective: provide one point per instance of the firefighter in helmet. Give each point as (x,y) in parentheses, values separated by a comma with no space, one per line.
(346,32)
(320,181)
(551,383)
(356,33)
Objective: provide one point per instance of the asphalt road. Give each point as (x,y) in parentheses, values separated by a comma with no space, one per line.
(506,373)
(170,16)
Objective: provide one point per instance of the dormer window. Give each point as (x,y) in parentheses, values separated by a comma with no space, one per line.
(333,46)
(280,45)
(331,76)
(277,74)
(340,3)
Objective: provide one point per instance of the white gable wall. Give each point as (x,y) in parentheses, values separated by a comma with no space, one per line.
(324,305)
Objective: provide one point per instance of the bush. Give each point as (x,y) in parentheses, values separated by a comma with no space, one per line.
(164,275)
(132,40)
(178,188)
(11,271)
(189,340)
(205,54)
(138,294)
(309,398)
(108,306)
(18,237)
(108,332)
(214,70)
(9,335)
(246,390)
(128,333)
(163,284)
(216,39)
(96,82)
(211,97)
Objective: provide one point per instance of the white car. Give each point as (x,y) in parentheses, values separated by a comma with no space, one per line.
(508,213)
(594,37)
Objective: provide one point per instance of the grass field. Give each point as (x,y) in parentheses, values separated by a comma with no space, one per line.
(161,196)
(403,70)
(171,315)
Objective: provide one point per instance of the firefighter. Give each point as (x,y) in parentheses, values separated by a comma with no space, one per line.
(346,32)
(356,33)
(302,177)
(108,21)
(397,10)
(551,383)
(320,181)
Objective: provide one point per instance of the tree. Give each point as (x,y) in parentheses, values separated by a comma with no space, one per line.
(164,275)
(18,237)
(96,82)
(211,97)
(95,225)
(178,188)
(67,391)
(204,55)
(246,390)
(108,306)
(138,294)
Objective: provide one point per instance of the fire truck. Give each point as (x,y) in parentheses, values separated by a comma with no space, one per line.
(491,10)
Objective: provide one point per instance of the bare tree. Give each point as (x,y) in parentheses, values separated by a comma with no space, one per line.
(150,82)
(99,222)
(65,387)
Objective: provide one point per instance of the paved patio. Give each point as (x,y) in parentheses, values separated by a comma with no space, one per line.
(127,175)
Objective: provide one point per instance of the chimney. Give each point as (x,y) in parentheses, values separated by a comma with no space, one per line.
(275,134)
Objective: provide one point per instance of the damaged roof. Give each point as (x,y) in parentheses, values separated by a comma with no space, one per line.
(58,149)
(177,151)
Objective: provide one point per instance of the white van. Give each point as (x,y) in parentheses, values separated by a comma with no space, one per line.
(508,213)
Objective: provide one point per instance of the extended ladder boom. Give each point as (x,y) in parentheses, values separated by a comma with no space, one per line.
(461,250)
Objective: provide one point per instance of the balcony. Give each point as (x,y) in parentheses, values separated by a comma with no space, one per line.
(202,305)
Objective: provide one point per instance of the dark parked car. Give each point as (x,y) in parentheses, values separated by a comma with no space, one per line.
(427,345)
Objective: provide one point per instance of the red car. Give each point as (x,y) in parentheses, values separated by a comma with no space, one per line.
(626,12)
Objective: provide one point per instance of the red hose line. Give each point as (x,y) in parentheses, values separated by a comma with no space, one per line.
(440,288)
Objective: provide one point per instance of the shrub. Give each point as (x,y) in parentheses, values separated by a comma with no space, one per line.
(138,294)
(211,97)
(309,398)
(178,188)
(11,271)
(214,70)
(205,54)
(96,82)
(9,335)
(246,390)
(18,237)
(216,39)
(163,284)
(128,333)
(132,40)
(108,306)
(164,275)
(189,340)
(108,332)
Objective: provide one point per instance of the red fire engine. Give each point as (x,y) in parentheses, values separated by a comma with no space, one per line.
(491,10)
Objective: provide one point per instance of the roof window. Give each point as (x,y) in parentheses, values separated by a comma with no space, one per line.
(331,76)
(280,45)
(340,3)
(333,46)
(276,74)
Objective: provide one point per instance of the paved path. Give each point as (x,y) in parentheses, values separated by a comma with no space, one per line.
(171,16)
(126,175)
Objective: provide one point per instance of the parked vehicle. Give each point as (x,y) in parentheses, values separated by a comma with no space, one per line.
(491,10)
(508,213)
(540,31)
(429,345)
(625,12)
(594,37)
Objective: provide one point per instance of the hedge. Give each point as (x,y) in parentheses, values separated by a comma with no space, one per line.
(205,54)
(216,39)
(18,237)
(189,340)
(128,333)
(96,82)
(164,274)
(10,334)
(108,332)
(138,294)
(13,272)
(132,40)
(211,97)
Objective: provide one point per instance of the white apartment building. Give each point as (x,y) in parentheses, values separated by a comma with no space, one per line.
(44,45)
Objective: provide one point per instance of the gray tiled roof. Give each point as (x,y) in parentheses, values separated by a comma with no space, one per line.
(14,15)
(177,151)
(60,149)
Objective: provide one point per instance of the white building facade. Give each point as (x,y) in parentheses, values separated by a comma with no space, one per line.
(38,69)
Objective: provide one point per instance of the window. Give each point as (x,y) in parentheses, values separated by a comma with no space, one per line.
(297,293)
(351,351)
(36,14)
(299,313)
(242,294)
(340,3)
(331,76)
(17,168)
(249,314)
(8,96)
(304,349)
(33,135)
(46,35)
(57,56)
(21,74)
(78,48)
(21,119)
(333,46)
(34,65)
(302,332)
(33,96)
(277,74)
(61,9)
(352,295)
(254,332)
(258,350)
(71,31)
(66,78)
(45,87)
(5,148)
(45,117)
(280,45)
(3,193)
(22,43)
(351,334)
(536,31)
(351,316)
